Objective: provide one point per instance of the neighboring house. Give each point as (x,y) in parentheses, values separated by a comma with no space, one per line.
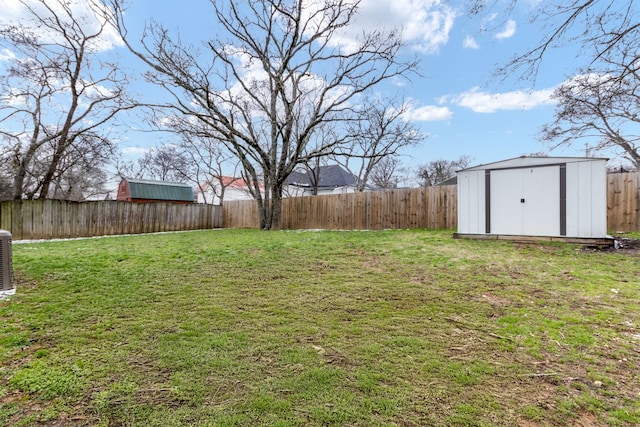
(449,181)
(145,191)
(234,189)
(332,179)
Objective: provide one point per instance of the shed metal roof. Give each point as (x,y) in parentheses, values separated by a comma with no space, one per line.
(525,161)
(159,190)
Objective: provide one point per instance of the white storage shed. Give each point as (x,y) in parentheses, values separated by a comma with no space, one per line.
(559,198)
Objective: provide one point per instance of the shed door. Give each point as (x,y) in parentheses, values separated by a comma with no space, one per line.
(526,201)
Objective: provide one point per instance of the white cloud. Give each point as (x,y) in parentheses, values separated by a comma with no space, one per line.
(470,43)
(483,102)
(425,23)
(6,54)
(428,113)
(93,91)
(15,13)
(135,150)
(509,30)
(581,81)
(14,98)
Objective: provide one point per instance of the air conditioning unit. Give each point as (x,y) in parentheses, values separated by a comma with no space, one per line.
(5,261)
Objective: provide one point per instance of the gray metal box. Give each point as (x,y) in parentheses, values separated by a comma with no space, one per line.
(6,283)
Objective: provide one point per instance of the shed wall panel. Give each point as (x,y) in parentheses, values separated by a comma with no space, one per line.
(541,210)
(506,210)
(587,199)
(526,201)
(471,202)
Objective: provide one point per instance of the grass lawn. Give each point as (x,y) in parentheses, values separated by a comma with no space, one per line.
(251,328)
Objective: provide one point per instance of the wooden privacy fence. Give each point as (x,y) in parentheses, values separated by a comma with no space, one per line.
(623,201)
(55,219)
(431,207)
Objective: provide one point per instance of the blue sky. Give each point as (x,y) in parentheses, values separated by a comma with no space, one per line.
(457,102)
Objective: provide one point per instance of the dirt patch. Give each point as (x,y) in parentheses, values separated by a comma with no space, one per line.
(626,245)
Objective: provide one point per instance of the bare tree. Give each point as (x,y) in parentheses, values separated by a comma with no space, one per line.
(312,166)
(163,163)
(600,102)
(213,166)
(6,192)
(207,160)
(383,174)
(436,171)
(377,133)
(601,108)
(135,169)
(80,181)
(55,91)
(275,75)
(312,169)
(603,30)
(81,172)
(167,163)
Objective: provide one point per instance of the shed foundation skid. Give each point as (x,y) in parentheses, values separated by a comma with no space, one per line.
(587,241)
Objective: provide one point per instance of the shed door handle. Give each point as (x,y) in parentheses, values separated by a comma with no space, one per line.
(521,200)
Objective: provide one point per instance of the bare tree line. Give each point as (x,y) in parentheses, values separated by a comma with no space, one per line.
(56,99)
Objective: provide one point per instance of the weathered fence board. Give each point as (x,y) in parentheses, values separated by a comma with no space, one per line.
(623,202)
(433,207)
(54,219)
(240,214)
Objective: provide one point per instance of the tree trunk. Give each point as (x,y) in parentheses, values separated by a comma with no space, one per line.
(276,210)
(25,162)
(48,177)
(270,209)
(18,180)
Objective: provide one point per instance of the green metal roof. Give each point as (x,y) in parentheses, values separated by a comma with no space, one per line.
(160,190)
